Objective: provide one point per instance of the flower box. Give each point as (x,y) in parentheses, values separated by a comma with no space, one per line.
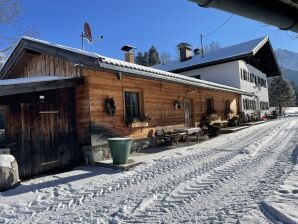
(139,124)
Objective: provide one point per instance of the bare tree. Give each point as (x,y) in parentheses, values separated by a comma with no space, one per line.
(165,57)
(11,27)
(214,45)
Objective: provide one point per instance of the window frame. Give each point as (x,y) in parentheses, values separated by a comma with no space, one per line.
(140,104)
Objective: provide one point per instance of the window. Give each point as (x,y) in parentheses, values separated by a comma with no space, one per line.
(132,106)
(263,82)
(210,105)
(197,76)
(264,105)
(249,104)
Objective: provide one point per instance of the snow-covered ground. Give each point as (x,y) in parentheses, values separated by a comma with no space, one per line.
(245,177)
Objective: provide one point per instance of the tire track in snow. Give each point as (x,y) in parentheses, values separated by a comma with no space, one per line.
(162,175)
(242,194)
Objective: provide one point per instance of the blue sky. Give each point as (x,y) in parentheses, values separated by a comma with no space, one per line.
(162,23)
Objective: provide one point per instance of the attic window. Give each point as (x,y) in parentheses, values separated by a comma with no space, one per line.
(197,76)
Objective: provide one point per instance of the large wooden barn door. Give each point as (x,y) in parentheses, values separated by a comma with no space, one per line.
(48,137)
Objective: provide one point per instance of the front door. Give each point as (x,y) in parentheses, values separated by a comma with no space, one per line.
(48,136)
(188,112)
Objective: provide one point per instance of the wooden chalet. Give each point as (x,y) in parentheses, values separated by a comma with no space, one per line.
(59,100)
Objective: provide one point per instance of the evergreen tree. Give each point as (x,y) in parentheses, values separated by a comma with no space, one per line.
(140,59)
(146,58)
(149,58)
(281,93)
(153,57)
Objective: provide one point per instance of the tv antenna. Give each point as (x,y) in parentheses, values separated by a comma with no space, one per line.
(87,34)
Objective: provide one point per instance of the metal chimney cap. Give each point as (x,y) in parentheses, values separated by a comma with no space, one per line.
(128,48)
(183,44)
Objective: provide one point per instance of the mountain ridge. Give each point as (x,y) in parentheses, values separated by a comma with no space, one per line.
(288,62)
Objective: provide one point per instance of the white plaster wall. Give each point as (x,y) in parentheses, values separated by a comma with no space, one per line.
(260,91)
(229,74)
(226,73)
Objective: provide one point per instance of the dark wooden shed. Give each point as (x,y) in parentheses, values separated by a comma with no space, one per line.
(40,120)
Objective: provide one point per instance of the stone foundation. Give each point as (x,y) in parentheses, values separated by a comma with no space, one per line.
(102,152)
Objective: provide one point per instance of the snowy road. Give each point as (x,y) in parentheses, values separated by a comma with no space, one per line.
(223,180)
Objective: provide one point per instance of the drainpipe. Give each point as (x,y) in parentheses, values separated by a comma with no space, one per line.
(274,12)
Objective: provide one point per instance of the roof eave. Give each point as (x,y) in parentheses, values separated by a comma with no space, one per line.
(152,76)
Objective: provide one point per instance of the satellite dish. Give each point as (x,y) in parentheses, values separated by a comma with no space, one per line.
(87,32)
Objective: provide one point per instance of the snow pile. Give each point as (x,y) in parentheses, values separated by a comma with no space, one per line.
(9,173)
(7,161)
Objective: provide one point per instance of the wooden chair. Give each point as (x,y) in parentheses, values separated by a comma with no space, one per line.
(162,137)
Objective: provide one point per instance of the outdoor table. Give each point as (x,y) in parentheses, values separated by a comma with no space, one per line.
(187,132)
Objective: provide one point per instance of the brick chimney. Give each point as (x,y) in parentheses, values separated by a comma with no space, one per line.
(129,53)
(185,50)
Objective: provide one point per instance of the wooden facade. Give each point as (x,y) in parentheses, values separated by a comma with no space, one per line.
(49,133)
(156,101)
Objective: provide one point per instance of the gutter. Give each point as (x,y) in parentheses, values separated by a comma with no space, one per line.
(274,12)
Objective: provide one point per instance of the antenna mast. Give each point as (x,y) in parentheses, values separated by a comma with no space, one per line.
(202,47)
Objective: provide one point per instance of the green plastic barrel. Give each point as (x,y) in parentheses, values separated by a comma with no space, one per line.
(120,148)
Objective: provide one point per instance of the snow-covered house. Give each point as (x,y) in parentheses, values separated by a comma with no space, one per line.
(245,66)
(59,101)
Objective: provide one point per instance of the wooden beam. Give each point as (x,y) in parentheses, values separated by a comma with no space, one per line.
(13,89)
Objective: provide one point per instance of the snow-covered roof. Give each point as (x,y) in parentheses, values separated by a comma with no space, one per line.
(9,82)
(101,62)
(231,53)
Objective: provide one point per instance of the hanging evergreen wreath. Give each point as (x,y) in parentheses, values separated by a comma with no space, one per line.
(110,106)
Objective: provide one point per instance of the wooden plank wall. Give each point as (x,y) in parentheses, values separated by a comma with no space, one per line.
(46,65)
(83,114)
(158,98)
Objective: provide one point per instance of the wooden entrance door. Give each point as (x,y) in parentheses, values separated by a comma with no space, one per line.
(48,137)
(41,137)
(188,112)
